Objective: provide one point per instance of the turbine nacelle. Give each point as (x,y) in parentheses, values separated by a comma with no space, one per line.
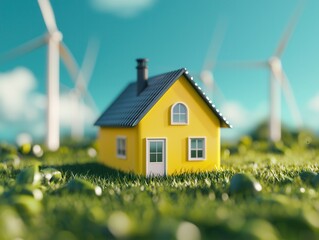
(207,77)
(275,66)
(56,36)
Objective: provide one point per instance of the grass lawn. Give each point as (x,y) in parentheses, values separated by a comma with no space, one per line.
(39,202)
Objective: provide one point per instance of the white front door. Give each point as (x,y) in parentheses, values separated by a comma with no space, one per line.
(156,157)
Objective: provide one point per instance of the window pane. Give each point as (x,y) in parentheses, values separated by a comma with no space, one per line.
(200,154)
(200,143)
(182,109)
(182,118)
(193,154)
(176,109)
(121,147)
(159,157)
(193,143)
(159,147)
(122,144)
(152,157)
(175,118)
(152,147)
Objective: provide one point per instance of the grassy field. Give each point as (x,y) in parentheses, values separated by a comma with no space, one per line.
(69,195)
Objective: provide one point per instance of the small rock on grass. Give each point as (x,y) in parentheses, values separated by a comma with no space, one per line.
(78,185)
(29,175)
(244,184)
(51,175)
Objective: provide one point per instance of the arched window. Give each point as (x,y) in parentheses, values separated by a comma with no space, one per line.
(179,114)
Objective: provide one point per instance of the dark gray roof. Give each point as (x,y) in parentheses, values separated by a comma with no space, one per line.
(129,108)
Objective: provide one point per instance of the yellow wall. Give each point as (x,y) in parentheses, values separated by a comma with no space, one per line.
(107,148)
(202,123)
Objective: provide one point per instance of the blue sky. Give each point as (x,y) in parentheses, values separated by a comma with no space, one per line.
(171,34)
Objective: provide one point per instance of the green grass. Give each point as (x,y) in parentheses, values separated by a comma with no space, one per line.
(198,206)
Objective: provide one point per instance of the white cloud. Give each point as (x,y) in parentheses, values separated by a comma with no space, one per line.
(73,111)
(23,109)
(15,88)
(242,119)
(313,104)
(235,112)
(122,8)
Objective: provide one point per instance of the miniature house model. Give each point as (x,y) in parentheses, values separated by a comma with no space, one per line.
(161,125)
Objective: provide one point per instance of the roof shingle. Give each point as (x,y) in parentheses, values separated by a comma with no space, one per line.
(128,109)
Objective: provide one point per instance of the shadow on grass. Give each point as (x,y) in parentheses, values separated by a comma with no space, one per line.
(93,169)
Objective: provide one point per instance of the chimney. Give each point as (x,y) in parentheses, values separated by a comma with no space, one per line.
(142,74)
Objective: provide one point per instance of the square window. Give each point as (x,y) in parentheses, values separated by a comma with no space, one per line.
(121,147)
(196,148)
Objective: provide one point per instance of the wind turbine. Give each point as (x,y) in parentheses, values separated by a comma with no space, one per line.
(56,48)
(278,78)
(206,74)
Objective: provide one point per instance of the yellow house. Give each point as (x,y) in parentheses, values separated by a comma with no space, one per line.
(161,125)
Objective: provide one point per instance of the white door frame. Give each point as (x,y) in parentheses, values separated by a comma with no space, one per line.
(164,139)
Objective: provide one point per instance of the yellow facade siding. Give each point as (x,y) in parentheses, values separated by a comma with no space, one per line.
(202,123)
(107,148)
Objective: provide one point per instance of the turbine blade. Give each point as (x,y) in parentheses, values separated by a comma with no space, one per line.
(24,49)
(89,62)
(77,75)
(69,62)
(91,102)
(215,45)
(64,88)
(289,30)
(243,64)
(218,93)
(85,73)
(48,15)
(291,100)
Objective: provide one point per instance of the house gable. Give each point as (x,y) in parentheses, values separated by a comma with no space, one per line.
(181,91)
(202,124)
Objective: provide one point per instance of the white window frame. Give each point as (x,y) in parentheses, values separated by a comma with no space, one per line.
(190,158)
(118,145)
(172,114)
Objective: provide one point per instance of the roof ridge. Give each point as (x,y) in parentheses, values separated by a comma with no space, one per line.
(208,101)
(129,108)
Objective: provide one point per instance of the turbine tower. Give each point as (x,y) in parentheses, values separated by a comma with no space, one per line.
(56,49)
(53,74)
